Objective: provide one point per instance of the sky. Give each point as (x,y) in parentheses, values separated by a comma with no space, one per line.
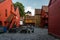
(30,5)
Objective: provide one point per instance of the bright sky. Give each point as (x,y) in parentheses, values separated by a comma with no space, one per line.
(30,5)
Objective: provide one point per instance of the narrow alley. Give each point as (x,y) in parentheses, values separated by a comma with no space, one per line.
(39,34)
(29,19)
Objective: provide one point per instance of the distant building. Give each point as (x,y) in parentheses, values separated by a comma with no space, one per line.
(29,20)
(37,17)
(28,13)
(21,21)
(44,16)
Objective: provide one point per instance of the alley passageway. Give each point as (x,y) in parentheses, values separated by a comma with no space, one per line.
(23,16)
(39,34)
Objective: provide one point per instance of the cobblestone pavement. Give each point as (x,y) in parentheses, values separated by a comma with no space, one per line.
(39,34)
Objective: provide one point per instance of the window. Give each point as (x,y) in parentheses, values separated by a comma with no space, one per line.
(11,7)
(0,23)
(46,13)
(6,12)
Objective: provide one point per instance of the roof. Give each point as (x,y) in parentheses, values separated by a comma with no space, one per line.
(29,12)
(15,8)
(37,11)
(50,2)
(45,8)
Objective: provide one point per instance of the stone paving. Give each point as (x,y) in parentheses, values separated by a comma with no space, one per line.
(39,34)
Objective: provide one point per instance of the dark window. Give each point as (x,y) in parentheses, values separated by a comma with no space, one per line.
(0,14)
(11,7)
(5,22)
(0,23)
(46,13)
(6,12)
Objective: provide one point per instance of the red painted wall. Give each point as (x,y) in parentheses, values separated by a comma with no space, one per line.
(5,6)
(6,9)
(17,17)
(54,18)
(44,18)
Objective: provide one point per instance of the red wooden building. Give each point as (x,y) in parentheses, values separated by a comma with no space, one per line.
(54,18)
(44,16)
(17,17)
(8,14)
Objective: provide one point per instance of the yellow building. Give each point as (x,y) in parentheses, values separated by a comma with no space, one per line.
(37,17)
(29,20)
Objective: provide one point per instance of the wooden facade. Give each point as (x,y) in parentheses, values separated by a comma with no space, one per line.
(37,17)
(44,16)
(8,14)
(29,20)
(54,18)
